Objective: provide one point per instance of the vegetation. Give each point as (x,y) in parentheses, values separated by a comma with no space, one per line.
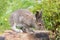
(50,8)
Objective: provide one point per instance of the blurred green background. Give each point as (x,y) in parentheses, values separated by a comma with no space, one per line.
(50,8)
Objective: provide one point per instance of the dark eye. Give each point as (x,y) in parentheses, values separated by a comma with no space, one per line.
(39,24)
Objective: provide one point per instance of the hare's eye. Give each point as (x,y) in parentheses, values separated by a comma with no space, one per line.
(39,24)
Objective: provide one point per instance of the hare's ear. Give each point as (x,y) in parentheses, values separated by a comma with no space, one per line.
(38,15)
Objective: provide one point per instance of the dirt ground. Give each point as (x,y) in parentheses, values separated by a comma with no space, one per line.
(12,35)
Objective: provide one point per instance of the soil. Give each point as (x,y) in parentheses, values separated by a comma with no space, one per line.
(11,35)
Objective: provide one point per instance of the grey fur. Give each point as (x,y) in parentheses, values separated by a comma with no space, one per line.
(25,20)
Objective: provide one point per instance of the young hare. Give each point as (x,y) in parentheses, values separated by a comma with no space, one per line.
(24,20)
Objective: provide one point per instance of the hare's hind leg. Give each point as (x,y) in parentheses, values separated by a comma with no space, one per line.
(15,29)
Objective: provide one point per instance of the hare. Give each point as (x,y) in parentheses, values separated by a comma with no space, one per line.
(25,20)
